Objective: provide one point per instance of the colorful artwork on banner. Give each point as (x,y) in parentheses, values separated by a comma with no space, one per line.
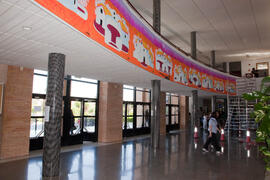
(180,74)
(112,24)
(143,52)
(113,27)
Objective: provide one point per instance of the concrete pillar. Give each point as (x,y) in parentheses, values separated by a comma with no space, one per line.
(213,103)
(195,109)
(162,113)
(156,15)
(110,112)
(184,110)
(193,45)
(16,112)
(213,59)
(224,66)
(155,113)
(52,132)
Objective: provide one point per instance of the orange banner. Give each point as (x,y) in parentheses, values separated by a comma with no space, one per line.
(114,26)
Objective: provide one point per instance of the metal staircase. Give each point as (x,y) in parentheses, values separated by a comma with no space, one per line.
(239,109)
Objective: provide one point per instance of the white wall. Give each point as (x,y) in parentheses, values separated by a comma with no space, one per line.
(247,65)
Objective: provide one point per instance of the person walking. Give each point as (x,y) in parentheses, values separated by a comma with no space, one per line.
(212,138)
(205,127)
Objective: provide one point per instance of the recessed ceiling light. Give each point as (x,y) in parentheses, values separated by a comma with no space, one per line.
(27,28)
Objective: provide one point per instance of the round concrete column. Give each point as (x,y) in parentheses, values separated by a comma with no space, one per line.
(54,98)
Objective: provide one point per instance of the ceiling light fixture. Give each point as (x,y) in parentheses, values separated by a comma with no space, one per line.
(27,28)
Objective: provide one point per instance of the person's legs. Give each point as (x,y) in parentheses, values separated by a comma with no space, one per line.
(209,140)
(215,142)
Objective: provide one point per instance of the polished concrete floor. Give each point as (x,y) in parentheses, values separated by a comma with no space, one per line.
(179,157)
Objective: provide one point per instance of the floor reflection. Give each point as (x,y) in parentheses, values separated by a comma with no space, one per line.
(179,157)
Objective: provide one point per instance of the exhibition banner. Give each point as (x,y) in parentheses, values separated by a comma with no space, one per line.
(117,27)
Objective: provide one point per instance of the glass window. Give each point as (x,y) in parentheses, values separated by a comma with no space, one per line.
(123,123)
(84,79)
(147,116)
(76,107)
(90,108)
(139,96)
(37,127)
(167,110)
(139,121)
(37,71)
(175,110)
(82,89)
(175,119)
(128,95)
(174,100)
(37,118)
(128,87)
(130,109)
(167,120)
(168,98)
(139,110)
(38,107)
(39,84)
(124,109)
(129,116)
(146,97)
(130,122)
(89,124)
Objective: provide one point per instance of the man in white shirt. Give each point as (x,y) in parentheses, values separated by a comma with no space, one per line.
(212,138)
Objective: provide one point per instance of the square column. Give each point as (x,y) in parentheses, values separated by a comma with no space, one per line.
(156,15)
(110,112)
(193,44)
(184,109)
(155,113)
(195,109)
(213,103)
(213,59)
(16,112)
(162,113)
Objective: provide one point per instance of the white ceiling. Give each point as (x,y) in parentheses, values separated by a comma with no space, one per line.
(231,27)
(85,58)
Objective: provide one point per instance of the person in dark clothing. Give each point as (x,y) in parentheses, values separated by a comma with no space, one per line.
(72,122)
(255,72)
(212,138)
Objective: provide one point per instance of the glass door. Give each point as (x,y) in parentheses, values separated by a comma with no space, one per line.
(172,117)
(76,117)
(37,122)
(89,120)
(128,119)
